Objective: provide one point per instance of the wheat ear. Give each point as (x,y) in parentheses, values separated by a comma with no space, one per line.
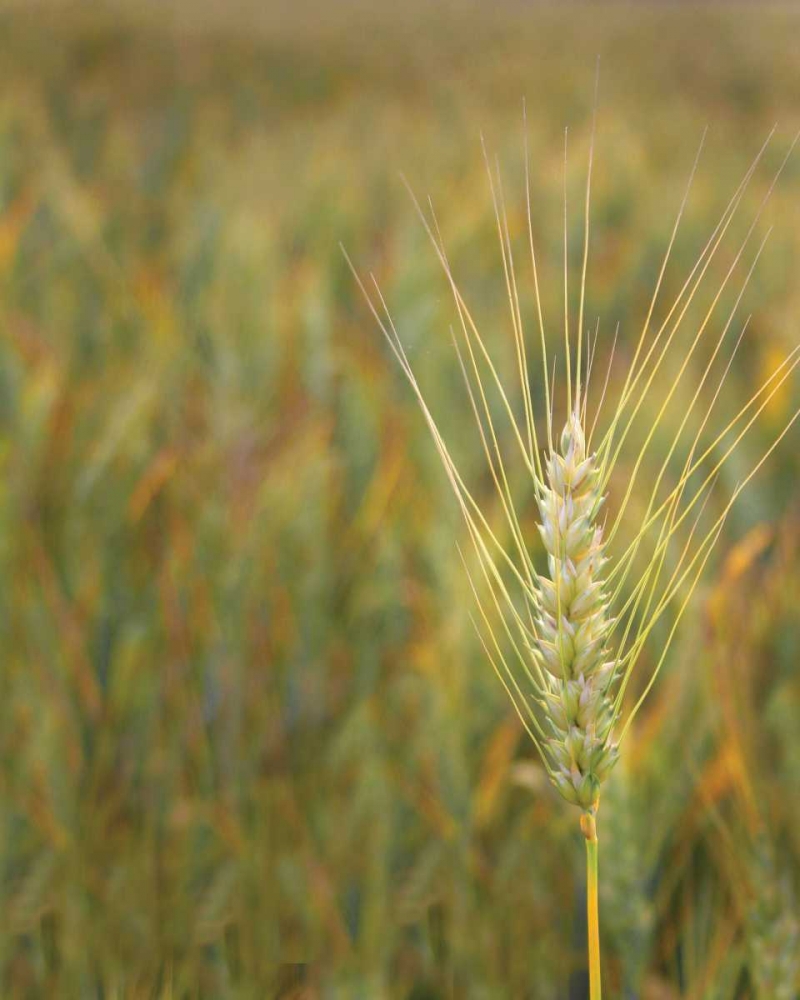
(564,644)
(571,623)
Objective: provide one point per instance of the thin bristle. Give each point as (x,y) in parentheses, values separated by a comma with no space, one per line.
(537,296)
(586,217)
(567,349)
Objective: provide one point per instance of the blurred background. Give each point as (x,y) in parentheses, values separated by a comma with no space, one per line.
(250,744)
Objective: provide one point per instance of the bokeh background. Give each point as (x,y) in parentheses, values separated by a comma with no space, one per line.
(249,742)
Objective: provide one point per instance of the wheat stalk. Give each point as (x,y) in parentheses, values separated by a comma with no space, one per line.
(564,642)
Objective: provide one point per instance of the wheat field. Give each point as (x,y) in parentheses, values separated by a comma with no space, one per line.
(250,743)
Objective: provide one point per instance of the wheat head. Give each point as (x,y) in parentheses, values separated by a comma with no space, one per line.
(564,643)
(571,623)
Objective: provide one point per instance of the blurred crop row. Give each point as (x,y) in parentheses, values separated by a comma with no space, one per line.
(249,742)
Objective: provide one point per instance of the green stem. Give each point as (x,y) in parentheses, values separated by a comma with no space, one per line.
(589,828)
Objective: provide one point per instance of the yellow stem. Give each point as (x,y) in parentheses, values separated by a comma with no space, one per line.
(589,828)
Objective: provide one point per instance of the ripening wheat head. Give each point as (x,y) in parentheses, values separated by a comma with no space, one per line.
(564,638)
